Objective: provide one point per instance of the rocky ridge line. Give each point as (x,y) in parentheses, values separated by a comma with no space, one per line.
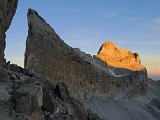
(47,55)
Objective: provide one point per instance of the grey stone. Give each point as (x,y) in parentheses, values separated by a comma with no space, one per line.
(22,102)
(24,78)
(62,92)
(47,55)
(7,11)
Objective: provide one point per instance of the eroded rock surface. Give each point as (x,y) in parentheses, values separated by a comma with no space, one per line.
(47,55)
(144,107)
(122,60)
(7,11)
(36,99)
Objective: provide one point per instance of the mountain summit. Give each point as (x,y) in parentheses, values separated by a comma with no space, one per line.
(118,57)
(48,55)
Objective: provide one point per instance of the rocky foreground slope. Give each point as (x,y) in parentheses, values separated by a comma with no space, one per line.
(119,107)
(24,96)
(85,77)
(7,11)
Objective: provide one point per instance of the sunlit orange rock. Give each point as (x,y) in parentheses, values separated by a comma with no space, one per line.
(118,57)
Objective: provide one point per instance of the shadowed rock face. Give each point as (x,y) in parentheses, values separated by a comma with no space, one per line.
(145,107)
(7,11)
(24,96)
(119,58)
(46,54)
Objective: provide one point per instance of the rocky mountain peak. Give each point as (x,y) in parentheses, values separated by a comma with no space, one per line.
(119,57)
(32,11)
(108,43)
(63,83)
(49,56)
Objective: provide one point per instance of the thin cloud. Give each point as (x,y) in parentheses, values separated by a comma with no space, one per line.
(138,43)
(104,14)
(22,44)
(92,32)
(132,19)
(63,10)
(155,24)
(85,38)
(111,14)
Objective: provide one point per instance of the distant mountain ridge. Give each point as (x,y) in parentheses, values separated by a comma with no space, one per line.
(119,58)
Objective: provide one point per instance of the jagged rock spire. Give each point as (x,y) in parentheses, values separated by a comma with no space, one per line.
(47,55)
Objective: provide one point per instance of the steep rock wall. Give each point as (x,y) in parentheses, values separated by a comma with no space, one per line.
(47,55)
(7,11)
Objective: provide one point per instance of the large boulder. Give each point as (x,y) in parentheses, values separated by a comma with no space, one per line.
(7,11)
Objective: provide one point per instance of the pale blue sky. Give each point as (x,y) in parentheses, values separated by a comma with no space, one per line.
(86,24)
